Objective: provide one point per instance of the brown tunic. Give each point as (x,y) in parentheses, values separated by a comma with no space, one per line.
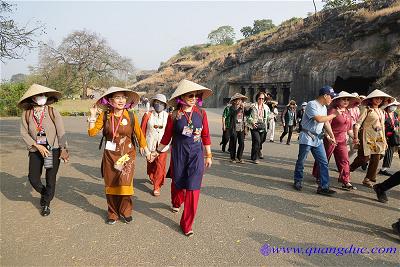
(119,181)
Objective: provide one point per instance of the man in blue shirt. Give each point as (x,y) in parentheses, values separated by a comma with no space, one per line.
(311,139)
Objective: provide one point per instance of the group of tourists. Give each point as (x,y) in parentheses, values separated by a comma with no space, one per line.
(332,124)
(184,132)
(326,126)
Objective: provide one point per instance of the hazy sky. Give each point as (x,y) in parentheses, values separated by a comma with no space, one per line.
(147,32)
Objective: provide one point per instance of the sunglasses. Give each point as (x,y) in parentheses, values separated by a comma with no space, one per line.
(193,96)
(261,98)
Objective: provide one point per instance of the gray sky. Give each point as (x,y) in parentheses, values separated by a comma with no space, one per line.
(147,32)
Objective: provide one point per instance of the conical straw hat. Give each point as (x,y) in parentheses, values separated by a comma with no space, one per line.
(343,94)
(238,96)
(36,89)
(394,103)
(377,93)
(186,86)
(133,97)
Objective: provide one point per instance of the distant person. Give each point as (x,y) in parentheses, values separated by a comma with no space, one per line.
(120,128)
(299,116)
(314,120)
(226,125)
(236,118)
(272,120)
(288,118)
(392,123)
(257,122)
(42,130)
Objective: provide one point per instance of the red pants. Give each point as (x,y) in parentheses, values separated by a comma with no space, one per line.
(341,155)
(156,170)
(190,199)
(119,205)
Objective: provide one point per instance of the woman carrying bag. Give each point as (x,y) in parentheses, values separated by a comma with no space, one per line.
(120,128)
(42,130)
(369,135)
(257,122)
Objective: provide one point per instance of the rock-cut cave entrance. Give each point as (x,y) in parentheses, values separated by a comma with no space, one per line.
(358,84)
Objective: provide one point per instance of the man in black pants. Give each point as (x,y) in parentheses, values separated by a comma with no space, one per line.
(381,189)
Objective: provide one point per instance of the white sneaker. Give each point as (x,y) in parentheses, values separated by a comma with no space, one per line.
(174,210)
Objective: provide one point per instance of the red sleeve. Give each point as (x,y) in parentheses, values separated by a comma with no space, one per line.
(145,119)
(205,133)
(166,139)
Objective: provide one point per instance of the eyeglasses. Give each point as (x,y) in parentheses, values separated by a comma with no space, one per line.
(193,96)
(120,98)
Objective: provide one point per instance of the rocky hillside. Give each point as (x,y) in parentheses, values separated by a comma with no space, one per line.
(355,50)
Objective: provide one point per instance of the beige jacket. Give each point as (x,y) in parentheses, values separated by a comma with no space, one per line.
(29,130)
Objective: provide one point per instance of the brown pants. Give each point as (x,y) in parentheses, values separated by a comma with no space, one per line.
(361,159)
(119,206)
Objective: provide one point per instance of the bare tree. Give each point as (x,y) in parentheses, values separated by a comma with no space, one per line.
(13,38)
(315,7)
(83,60)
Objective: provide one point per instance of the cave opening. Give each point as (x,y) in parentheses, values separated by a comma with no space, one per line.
(358,84)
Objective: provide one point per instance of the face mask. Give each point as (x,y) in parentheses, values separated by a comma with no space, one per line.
(40,100)
(158,107)
(392,108)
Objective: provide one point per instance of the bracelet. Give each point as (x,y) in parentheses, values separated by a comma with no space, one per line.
(208,156)
(158,151)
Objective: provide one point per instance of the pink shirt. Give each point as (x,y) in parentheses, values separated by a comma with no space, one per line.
(354,114)
(340,125)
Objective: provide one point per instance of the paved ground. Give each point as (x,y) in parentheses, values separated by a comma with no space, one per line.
(242,208)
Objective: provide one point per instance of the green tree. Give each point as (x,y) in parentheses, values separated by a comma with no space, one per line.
(10,93)
(15,40)
(246,31)
(262,25)
(222,35)
(340,3)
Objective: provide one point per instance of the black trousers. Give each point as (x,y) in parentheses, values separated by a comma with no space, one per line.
(257,140)
(225,139)
(387,160)
(235,139)
(390,182)
(35,172)
(287,129)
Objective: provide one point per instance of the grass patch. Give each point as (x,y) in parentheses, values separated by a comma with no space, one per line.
(73,107)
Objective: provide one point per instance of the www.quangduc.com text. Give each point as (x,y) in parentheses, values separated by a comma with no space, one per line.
(267,250)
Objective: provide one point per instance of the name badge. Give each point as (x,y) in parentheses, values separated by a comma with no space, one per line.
(111,146)
(187,131)
(41,140)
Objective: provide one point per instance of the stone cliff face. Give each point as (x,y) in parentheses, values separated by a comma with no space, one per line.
(356,51)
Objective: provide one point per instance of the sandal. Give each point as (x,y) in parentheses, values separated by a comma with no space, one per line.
(368,183)
(348,187)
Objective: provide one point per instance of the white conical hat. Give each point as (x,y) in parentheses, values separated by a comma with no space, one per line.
(133,97)
(377,93)
(159,97)
(37,89)
(394,103)
(343,94)
(238,96)
(185,87)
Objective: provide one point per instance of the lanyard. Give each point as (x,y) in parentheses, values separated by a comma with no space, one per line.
(38,126)
(114,131)
(188,118)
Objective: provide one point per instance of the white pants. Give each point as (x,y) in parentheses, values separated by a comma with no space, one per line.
(271,130)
